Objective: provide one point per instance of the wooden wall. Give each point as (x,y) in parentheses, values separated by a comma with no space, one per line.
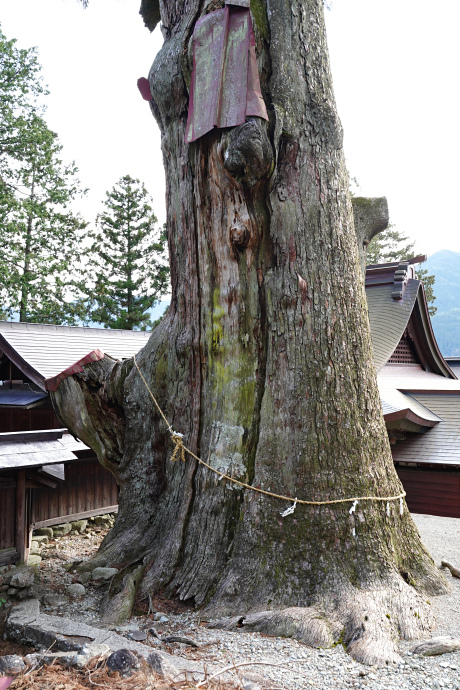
(35,419)
(88,486)
(431,492)
(7,516)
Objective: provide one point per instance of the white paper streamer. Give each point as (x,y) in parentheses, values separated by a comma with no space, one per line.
(388,508)
(354,532)
(401,506)
(353,507)
(289,510)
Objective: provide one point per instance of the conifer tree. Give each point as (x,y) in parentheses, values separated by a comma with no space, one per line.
(40,235)
(126,261)
(392,245)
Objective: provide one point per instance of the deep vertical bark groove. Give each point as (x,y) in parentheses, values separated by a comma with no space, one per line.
(264,362)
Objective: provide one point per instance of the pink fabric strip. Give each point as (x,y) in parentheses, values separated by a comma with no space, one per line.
(52,383)
(225,85)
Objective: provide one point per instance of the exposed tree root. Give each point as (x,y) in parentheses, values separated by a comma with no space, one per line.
(308,625)
(369,623)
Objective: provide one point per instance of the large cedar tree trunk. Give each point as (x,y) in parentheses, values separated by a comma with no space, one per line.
(264,363)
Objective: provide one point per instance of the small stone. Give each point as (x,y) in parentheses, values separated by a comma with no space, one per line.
(74,533)
(104,573)
(12,664)
(43,532)
(160,664)
(62,530)
(22,577)
(160,617)
(84,578)
(91,651)
(3,588)
(76,590)
(138,635)
(12,591)
(34,561)
(123,661)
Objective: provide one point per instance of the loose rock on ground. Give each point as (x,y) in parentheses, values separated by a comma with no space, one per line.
(297,666)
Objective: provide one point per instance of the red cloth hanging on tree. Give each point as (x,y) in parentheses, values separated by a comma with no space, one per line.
(225,86)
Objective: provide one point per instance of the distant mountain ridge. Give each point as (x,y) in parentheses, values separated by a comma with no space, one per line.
(445,265)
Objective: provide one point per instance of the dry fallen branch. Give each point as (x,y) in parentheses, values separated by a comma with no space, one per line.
(245,663)
(58,677)
(184,640)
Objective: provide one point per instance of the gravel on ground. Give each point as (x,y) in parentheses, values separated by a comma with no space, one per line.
(296,666)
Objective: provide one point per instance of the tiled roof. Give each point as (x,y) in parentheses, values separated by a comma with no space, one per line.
(389,318)
(411,378)
(441,444)
(37,448)
(48,349)
(20,398)
(393,400)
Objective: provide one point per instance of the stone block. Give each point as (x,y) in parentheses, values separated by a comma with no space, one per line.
(34,561)
(43,532)
(78,658)
(62,530)
(34,548)
(8,574)
(40,539)
(26,593)
(12,665)
(79,525)
(84,578)
(22,577)
(102,521)
(27,625)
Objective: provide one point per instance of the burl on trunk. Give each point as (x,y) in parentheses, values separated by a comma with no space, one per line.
(263,361)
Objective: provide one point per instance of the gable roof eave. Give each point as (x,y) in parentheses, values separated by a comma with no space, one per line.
(21,363)
(426,340)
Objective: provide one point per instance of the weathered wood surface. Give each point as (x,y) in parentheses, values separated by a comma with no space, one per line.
(20,514)
(89,489)
(75,516)
(437,645)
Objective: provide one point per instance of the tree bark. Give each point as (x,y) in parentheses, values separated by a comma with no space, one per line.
(264,363)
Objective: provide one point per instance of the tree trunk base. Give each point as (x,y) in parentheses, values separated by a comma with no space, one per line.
(368,623)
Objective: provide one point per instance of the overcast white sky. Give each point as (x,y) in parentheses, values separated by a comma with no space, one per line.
(395,67)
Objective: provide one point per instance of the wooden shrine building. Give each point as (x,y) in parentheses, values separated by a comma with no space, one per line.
(420,392)
(46,476)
